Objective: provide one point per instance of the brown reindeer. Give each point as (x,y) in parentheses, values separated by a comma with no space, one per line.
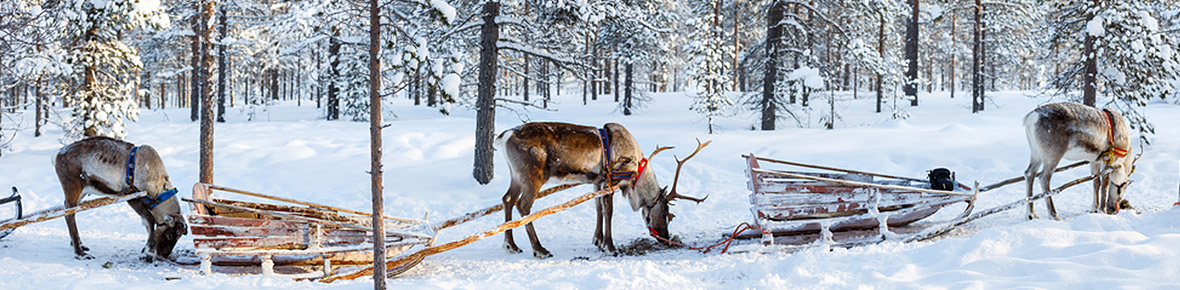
(539,153)
(106,166)
(1078,132)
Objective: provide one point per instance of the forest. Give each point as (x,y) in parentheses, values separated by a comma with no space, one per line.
(885,85)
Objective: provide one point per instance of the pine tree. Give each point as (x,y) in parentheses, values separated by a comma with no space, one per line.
(712,55)
(1123,52)
(104,66)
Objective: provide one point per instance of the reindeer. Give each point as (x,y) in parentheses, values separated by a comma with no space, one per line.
(114,167)
(538,153)
(1078,132)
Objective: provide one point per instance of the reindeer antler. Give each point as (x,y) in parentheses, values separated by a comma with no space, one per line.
(680,163)
(658,149)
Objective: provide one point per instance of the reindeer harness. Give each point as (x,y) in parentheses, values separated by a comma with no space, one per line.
(1114,150)
(147,200)
(612,175)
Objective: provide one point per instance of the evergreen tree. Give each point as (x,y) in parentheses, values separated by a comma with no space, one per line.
(1123,53)
(712,54)
(104,67)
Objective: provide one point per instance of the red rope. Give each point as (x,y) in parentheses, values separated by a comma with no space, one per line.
(704,250)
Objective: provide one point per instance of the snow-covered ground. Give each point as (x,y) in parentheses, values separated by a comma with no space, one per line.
(287,150)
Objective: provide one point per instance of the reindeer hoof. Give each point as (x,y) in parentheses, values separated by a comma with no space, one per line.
(511,248)
(542,254)
(147,258)
(610,252)
(84,256)
(1032,216)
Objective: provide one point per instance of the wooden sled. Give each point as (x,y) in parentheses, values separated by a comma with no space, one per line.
(791,204)
(290,238)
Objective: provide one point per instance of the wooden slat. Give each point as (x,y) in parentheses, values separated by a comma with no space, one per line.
(259,195)
(831,210)
(224,231)
(864,196)
(276,242)
(241,222)
(854,183)
(833,168)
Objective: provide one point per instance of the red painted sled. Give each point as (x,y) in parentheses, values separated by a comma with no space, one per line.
(284,237)
(792,203)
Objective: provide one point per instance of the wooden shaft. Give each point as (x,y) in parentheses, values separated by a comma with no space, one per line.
(1021,178)
(490,210)
(939,230)
(856,183)
(57,212)
(834,168)
(417,256)
(255,194)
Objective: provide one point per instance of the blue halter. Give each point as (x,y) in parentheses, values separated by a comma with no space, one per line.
(148,200)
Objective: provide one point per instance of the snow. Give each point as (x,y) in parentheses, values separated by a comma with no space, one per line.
(810,76)
(450,84)
(428,161)
(1095,27)
(447,11)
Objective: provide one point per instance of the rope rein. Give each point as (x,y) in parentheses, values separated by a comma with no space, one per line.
(705,250)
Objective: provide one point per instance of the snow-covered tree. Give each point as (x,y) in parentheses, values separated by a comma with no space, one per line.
(104,67)
(712,57)
(1118,48)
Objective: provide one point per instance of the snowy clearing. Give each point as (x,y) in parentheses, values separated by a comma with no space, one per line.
(287,150)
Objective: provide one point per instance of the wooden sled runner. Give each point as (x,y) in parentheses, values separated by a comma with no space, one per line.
(285,237)
(791,203)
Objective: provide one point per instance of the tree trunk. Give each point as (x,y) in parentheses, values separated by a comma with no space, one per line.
(333,66)
(486,104)
(977,55)
(911,55)
(629,87)
(774,33)
(195,83)
(607,73)
(37,99)
(881,53)
(615,79)
(206,157)
(1090,77)
(954,54)
(375,147)
(526,77)
(222,66)
(545,84)
(736,48)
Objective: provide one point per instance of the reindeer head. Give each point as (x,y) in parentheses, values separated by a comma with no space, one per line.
(167,224)
(656,212)
(1117,181)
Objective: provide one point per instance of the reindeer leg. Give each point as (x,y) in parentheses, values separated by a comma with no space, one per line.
(1095,170)
(598,219)
(1046,176)
(510,200)
(73,191)
(1030,175)
(524,207)
(608,210)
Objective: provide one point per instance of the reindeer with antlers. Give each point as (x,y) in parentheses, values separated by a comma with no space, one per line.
(1078,132)
(544,152)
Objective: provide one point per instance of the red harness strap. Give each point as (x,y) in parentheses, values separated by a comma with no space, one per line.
(1116,150)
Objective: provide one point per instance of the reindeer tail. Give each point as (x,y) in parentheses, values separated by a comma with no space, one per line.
(503,137)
